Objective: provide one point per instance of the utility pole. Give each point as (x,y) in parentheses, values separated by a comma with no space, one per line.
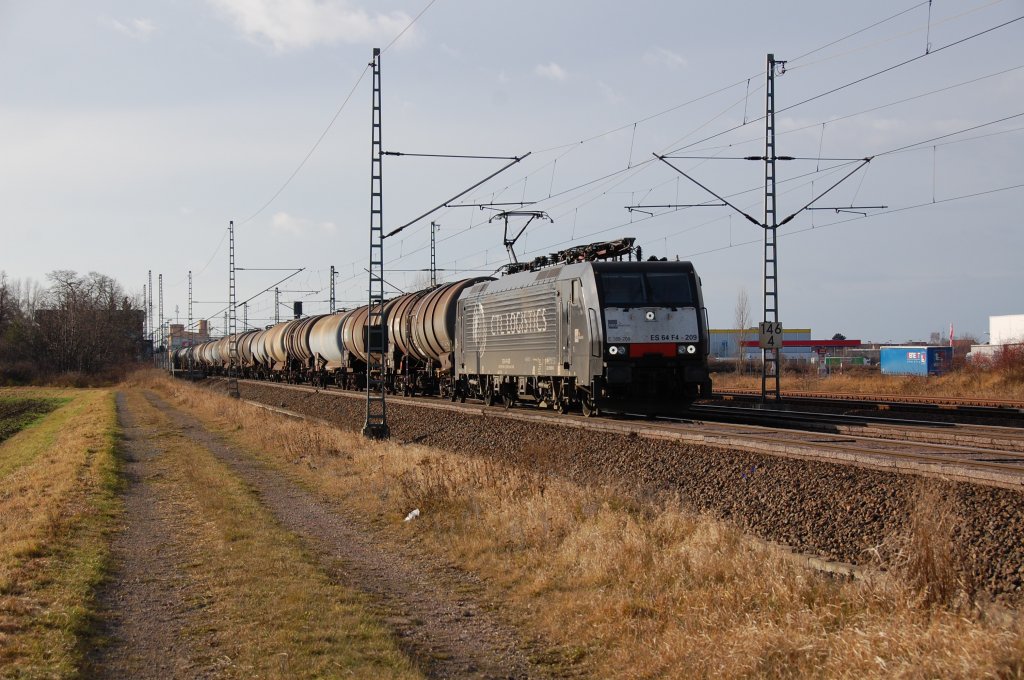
(376,426)
(145,314)
(190,307)
(771,367)
(433,253)
(149,307)
(333,274)
(277,305)
(245,316)
(233,317)
(163,345)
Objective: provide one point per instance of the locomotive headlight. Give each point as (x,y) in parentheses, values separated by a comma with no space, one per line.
(613,350)
(680,349)
(691,349)
(649,315)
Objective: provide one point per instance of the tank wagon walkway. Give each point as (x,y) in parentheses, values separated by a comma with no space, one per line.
(165,615)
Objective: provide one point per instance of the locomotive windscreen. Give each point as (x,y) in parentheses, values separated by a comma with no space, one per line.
(633,289)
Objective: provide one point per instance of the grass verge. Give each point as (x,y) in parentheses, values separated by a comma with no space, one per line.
(267,609)
(621,587)
(58,485)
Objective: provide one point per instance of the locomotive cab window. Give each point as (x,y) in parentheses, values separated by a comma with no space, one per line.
(662,289)
(669,289)
(623,289)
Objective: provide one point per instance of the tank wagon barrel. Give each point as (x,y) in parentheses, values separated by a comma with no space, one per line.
(325,339)
(432,320)
(399,323)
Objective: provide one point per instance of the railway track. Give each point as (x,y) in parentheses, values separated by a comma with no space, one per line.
(948,407)
(974,453)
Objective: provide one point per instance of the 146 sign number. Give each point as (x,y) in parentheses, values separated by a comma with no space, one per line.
(770,335)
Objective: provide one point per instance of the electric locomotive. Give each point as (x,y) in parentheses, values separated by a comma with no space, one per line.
(628,336)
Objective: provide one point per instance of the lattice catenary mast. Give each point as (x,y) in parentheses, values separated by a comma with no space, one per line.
(163,345)
(376,426)
(145,314)
(190,335)
(770,364)
(232,325)
(149,314)
(333,301)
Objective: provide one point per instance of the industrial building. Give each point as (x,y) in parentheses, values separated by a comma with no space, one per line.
(1005,329)
(178,337)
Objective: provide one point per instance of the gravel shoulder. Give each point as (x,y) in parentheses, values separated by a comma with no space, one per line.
(438,613)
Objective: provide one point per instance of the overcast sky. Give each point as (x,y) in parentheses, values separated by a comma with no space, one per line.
(131,132)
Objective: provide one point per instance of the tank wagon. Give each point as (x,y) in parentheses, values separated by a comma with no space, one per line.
(567,331)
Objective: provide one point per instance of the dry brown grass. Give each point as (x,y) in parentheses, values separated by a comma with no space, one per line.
(629,589)
(57,504)
(268,609)
(969,382)
(930,559)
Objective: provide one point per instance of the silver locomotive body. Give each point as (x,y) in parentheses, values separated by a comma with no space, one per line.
(627,335)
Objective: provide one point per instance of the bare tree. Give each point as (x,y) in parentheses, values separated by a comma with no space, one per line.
(87,323)
(17,334)
(7,303)
(742,319)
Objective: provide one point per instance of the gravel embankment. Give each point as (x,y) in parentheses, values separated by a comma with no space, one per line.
(839,512)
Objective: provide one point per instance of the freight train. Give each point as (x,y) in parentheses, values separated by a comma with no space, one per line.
(581,329)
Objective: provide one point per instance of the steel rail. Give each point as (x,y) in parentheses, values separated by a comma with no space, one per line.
(982,405)
(756,438)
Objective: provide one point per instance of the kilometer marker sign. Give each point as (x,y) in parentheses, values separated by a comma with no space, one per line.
(770,335)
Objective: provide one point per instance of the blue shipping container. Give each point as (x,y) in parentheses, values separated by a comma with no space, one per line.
(916,360)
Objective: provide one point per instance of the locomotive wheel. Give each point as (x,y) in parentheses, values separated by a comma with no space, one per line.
(588,407)
(508,400)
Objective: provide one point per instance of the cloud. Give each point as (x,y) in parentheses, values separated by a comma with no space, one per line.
(290,224)
(659,56)
(551,71)
(298,24)
(139,29)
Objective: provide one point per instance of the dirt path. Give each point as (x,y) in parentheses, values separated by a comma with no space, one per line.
(437,612)
(150,608)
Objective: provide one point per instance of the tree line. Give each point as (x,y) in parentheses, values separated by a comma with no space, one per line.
(82,325)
